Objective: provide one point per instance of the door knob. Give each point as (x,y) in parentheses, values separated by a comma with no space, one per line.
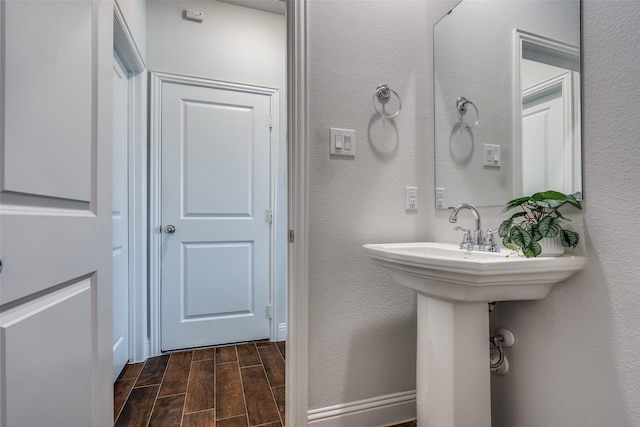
(169,229)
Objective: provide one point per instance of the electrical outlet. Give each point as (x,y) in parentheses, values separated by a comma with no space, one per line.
(439,198)
(411,198)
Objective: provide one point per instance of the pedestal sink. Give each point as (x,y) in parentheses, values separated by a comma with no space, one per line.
(454,287)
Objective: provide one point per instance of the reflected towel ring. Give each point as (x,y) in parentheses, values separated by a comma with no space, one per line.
(461,106)
(383,93)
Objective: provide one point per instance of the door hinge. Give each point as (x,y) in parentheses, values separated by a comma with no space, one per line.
(270,216)
(270,122)
(291,236)
(268,311)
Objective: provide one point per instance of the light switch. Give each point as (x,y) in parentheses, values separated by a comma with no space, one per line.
(491,155)
(342,142)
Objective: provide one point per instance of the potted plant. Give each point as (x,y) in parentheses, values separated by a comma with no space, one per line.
(539,217)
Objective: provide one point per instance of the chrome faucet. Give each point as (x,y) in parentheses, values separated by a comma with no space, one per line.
(478,243)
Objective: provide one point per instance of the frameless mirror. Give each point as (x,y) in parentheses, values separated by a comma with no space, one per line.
(507,100)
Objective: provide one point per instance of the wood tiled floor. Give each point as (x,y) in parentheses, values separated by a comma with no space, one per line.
(230,386)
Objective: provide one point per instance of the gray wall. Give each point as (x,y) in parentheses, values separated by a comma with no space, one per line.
(576,359)
(362,325)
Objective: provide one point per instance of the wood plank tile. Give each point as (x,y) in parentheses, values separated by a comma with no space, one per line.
(262,342)
(138,408)
(204,354)
(248,355)
(279,397)
(226,354)
(131,370)
(167,411)
(121,390)
(177,375)
(261,408)
(282,346)
(273,364)
(407,424)
(153,371)
(201,389)
(229,395)
(233,422)
(199,419)
(203,367)
(278,424)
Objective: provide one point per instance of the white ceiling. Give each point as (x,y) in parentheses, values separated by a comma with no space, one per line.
(273,6)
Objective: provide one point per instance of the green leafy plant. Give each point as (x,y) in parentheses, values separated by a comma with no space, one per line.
(537,218)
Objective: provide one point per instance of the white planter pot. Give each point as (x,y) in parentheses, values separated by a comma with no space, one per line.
(551,246)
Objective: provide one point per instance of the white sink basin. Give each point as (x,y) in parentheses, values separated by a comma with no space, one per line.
(444,271)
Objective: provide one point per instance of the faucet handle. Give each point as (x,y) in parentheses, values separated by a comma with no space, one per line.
(458,228)
(491,243)
(466,238)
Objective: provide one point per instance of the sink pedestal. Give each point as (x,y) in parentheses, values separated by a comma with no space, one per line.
(454,287)
(452,372)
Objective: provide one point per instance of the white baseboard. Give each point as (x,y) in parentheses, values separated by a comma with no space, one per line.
(385,410)
(282,332)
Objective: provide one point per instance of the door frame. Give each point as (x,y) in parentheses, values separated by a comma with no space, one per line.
(526,41)
(157,79)
(563,84)
(127,50)
(297,365)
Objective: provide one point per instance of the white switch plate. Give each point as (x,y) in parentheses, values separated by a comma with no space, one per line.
(411,198)
(491,155)
(342,142)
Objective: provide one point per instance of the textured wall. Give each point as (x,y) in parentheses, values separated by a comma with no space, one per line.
(362,325)
(576,360)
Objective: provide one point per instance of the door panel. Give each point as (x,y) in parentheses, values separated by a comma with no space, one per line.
(30,345)
(63,51)
(55,213)
(120,217)
(218,281)
(543,143)
(216,192)
(227,161)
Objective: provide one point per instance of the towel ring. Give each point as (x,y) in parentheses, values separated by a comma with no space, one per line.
(461,106)
(383,93)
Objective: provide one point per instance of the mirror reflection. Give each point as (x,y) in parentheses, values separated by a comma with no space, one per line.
(507,100)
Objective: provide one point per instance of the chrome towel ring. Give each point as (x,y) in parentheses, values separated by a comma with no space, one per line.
(383,94)
(461,106)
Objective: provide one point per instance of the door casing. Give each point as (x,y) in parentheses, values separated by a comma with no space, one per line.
(125,46)
(155,191)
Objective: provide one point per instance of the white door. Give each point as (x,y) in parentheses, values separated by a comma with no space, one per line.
(215,194)
(120,212)
(55,213)
(543,143)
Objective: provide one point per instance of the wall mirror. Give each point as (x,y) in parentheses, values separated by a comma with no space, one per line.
(507,101)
